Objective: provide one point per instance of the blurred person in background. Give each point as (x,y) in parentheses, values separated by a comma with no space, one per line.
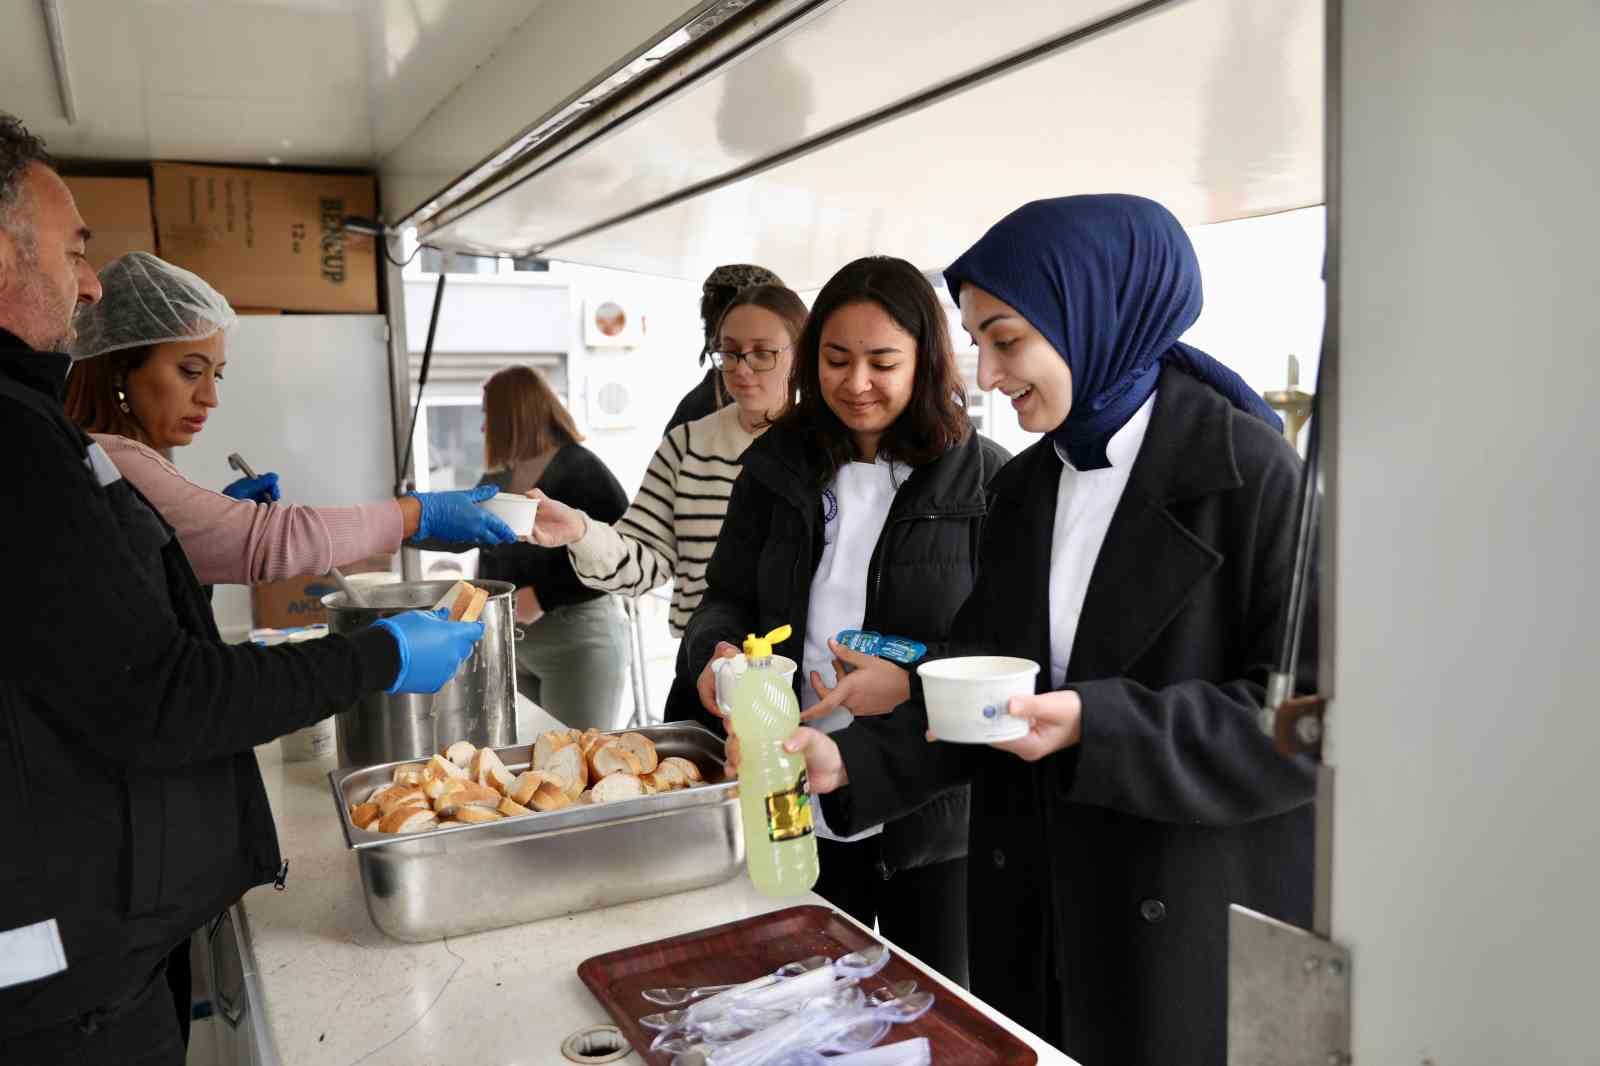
(572,658)
(716,294)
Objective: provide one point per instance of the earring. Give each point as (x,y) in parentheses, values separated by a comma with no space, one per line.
(122,401)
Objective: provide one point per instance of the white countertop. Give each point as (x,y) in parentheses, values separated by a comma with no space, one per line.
(338,991)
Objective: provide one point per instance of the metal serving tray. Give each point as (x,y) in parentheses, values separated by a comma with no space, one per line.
(466,879)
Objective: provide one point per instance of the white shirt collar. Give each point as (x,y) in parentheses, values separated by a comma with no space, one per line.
(1123,447)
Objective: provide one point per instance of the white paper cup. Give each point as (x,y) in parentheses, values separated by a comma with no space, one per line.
(312,742)
(967,697)
(726,673)
(514,510)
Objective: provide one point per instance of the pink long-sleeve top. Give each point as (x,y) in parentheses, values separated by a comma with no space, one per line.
(236,542)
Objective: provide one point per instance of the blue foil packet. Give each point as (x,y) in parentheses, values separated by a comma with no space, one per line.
(895,649)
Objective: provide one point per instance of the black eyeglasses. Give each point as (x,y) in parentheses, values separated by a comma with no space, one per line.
(758,359)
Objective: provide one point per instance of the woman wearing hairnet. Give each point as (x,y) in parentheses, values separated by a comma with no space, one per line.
(148,359)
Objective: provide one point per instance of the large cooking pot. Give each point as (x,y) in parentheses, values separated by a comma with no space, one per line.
(478,705)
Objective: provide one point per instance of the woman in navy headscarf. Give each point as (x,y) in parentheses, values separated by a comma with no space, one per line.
(1141,554)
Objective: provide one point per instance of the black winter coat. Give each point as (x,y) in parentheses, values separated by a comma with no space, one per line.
(134,809)
(923,566)
(1099,878)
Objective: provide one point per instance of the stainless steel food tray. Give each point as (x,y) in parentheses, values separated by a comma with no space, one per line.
(466,879)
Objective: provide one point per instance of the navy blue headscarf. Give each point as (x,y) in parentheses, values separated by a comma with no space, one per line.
(1111,282)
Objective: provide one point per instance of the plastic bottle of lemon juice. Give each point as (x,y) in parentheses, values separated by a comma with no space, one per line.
(780,847)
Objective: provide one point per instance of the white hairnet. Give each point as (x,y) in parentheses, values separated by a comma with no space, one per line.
(147,300)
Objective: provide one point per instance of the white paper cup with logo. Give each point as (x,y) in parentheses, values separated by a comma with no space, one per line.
(727,670)
(967,697)
(315,741)
(515,510)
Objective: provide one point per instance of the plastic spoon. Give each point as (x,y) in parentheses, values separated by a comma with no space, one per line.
(679,995)
(812,981)
(821,1025)
(739,1024)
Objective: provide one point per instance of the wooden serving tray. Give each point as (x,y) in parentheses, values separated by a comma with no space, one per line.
(744,950)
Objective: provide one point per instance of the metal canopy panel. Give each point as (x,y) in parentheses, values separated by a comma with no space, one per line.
(1213,107)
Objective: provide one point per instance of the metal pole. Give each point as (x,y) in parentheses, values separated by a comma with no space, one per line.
(403,483)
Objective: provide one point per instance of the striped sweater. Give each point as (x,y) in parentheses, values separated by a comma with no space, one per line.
(671,528)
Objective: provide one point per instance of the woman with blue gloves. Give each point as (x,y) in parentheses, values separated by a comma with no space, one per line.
(148,360)
(1141,553)
(149,357)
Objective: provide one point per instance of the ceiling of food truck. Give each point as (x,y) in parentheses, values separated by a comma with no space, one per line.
(298,82)
(1212,106)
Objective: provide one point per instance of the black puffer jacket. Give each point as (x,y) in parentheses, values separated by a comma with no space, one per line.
(922,569)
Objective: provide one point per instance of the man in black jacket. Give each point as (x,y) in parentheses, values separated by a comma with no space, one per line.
(134,809)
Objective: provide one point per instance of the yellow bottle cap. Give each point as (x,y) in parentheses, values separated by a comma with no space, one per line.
(761,647)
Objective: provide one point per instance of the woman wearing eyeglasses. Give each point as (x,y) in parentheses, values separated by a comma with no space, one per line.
(862,509)
(672,526)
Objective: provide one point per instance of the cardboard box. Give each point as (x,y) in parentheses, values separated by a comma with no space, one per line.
(270,238)
(118,213)
(297,601)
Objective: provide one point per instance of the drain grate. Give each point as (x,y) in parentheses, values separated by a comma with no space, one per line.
(597,1043)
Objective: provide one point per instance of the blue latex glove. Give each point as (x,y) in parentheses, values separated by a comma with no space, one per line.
(431,649)
(263,489)
(455,516)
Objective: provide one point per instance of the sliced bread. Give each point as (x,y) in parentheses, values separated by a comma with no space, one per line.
(545,748)
(487,769)
(363,815)
(409,774)
(511,808)
(408,820)
(566,766)
(615,759)
(475,605)
(441,767)
(470,794)
(461,753)
(397,796)
(617,787)
(643,747)
(477,814)
(550,796)
(524,786)
(690,771)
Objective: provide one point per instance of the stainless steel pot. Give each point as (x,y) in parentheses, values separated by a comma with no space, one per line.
(478,705)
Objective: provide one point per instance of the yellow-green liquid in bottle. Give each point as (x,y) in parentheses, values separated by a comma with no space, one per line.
(780,845)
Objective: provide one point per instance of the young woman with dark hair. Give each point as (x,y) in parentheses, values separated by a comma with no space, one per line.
(861,509)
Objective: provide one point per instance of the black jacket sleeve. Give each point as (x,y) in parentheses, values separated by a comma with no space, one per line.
(93,646)
(729,608)
(579,479)
(1193,752)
